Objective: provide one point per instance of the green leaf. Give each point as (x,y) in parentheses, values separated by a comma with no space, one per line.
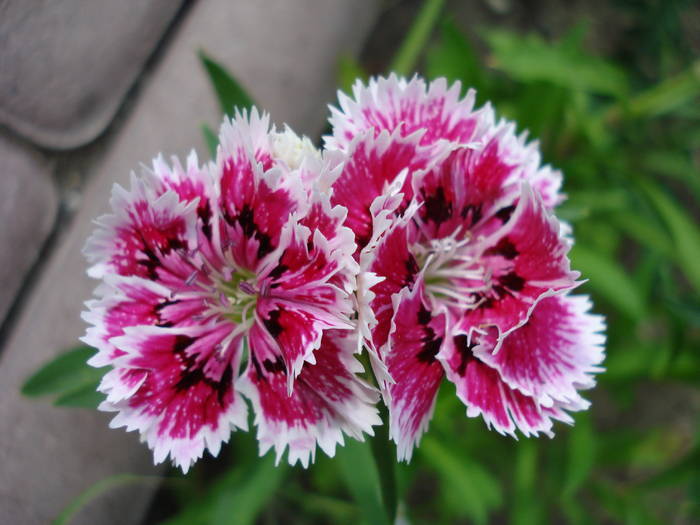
(228,90)
(86,396)
(526,505)
(610,280)
(358,469)
(684,231)
(98,489)
(413,45)
(240,503)
(530,59)
(667,96)
(471,490)
(454,58)
(581,455)
(349,70)
(211,139)
(67,373)
(384,453)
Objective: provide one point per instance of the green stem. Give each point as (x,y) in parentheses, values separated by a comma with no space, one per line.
(405,59)
(384,453)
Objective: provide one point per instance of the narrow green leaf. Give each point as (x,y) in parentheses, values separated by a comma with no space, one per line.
(358,469)
(581,455)
(98,489)
(86,396)
(66,373)
(684,231)
(228,91)
(210,138)
(454,58)
(349,70)
(526,505)
(384,453)
(241,504)
(413,45)
(529,59)
(667,96)
(472,491)
(610,280)
(645,232)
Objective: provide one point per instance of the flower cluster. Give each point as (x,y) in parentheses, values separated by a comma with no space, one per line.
(423,233)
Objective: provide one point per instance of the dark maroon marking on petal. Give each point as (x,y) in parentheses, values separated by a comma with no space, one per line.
(204,214)
(473,211)
(462,345)
(265,246)
(193,374)
(277,366)
(512,281)
(504,213)
(277,272)
(431,347)
(181,343)
(246,220)
(431,344)
(424,316)
(273,323)
(157,312)
(436,206)
(412,269)
(258,368)
(504,248)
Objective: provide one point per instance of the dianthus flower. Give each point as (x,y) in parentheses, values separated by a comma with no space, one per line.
(203,268)
(464,267)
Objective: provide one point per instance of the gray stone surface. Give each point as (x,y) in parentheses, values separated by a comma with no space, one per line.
(286,53)
(65,65)
(28,204)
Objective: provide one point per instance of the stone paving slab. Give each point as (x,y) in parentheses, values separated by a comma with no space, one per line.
(65,65)
(285,52)
(28,205)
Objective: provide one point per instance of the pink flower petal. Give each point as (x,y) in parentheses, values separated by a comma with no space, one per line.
(372,164)
(175,386)
(394,103)
(414,341)
(484,393)
(327,401)
(554,353)
(141,232)
(526,260)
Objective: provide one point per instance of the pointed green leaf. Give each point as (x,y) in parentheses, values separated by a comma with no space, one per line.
(668,95)
(241,503)
(684,231)
(211,139)
(86,396)
(405,60)
(99,489)
(358,469)
(66,373)
(470,489)
(581,454)
(610,280)
(228,91)
(349,70)
(454,58)
(529,59)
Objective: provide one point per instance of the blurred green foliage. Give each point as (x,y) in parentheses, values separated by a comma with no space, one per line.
(625,130)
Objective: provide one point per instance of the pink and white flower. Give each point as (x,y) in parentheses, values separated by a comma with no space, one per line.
(199,262)
(464,268)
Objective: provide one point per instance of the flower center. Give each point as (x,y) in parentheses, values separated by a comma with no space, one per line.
(452,274)
(237,295)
